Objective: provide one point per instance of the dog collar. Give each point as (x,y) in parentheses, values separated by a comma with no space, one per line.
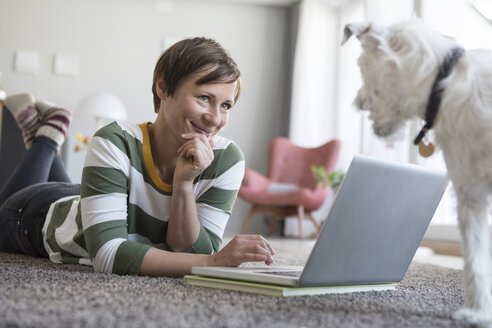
(436,92)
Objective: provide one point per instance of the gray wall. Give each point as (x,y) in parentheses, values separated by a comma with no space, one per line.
(118,43)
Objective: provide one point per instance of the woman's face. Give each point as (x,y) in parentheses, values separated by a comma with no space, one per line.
(198,108)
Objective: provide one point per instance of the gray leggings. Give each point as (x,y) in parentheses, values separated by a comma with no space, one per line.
(38,180)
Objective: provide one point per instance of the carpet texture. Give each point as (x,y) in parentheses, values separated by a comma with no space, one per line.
(37,293)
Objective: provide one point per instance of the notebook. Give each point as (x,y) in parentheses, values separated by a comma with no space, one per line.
(374,227)
(277,290)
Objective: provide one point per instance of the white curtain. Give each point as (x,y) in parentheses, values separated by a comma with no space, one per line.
(312,116)
(326,78)
(325,81)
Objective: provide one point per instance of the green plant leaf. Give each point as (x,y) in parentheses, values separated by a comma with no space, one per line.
(332,179)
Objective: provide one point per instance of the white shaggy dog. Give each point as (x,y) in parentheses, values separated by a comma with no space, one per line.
(399,66)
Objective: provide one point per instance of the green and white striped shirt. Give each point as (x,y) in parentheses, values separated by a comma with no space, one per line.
(124,206)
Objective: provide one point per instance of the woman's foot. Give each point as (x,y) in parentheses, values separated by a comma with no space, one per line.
(54,121)
(23,109)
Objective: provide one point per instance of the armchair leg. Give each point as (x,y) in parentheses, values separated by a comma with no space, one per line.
(248,219)
(273,223)
(316,224)
(300,215)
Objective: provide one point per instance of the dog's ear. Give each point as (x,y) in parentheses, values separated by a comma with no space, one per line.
(368,33)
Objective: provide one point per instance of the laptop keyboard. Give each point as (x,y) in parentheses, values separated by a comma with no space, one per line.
(283,273)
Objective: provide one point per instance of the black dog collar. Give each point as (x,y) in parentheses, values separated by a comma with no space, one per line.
(436,92)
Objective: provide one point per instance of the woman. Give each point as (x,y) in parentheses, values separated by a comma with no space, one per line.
(155,198)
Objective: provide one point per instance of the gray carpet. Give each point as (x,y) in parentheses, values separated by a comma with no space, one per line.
(37,293)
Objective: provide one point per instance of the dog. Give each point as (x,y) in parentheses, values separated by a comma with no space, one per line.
(409,71)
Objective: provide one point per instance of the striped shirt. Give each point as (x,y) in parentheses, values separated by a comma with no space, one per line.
(124,206)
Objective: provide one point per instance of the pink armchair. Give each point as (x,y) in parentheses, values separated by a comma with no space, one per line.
(291,165)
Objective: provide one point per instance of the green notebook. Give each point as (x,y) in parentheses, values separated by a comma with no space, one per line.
(279,291)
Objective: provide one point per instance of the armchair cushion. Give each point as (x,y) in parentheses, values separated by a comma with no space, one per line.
(254,189)
(254,180)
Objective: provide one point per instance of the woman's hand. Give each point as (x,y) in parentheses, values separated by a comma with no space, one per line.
(244,248)
(194,156)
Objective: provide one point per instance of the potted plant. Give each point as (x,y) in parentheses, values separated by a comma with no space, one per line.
(332,179)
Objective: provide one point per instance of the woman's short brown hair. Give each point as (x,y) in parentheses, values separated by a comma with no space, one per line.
(190,56)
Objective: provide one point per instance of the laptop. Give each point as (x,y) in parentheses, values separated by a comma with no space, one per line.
(371,234)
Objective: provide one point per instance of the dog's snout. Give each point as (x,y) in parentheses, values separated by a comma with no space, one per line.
(383,129)
(380,131)
(362,101)
(361,104)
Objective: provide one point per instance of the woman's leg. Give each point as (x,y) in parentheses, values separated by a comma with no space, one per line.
(54,125)
(27,195)
(34,167)
(58,172)
(40,163)
(22,217)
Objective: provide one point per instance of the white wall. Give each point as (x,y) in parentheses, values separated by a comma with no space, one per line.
(118,43)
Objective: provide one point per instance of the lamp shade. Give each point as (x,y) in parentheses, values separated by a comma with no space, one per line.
(102,106)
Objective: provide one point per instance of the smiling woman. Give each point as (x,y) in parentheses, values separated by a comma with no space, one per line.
(155,197)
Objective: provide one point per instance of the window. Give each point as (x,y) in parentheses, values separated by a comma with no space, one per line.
(461,21)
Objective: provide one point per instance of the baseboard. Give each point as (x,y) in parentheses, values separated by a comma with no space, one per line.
(443,239)
(443,247)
